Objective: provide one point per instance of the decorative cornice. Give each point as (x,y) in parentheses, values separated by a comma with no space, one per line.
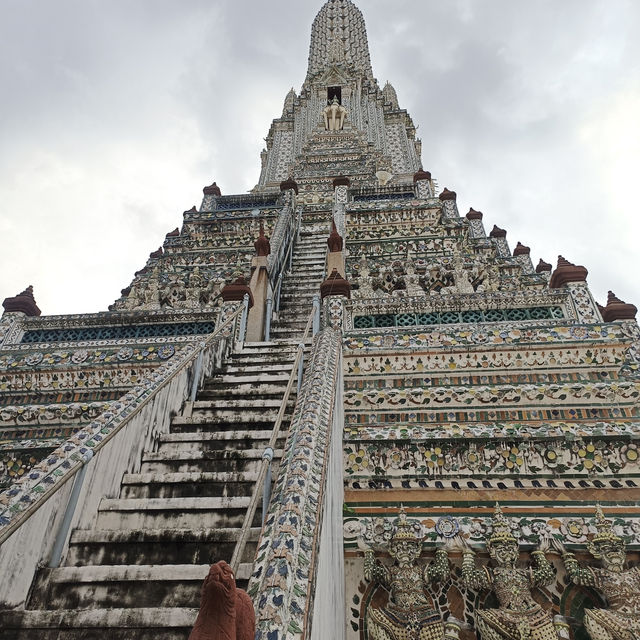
(236,291)
(212,190)
(289,185)
(567,272)
(334,241)
(497,232)
(448,195)
(421,175)
(617,309)
(543,267)
(22,303)
(335,285)
(261,245)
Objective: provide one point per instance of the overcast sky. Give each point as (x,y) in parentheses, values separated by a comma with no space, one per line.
(115,113)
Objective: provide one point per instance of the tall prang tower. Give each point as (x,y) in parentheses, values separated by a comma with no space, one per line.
(372,140)
(385,419)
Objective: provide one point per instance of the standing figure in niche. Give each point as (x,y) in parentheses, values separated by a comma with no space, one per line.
(519,616)
(334,114)
(412,281)
(410,613)
(620,587)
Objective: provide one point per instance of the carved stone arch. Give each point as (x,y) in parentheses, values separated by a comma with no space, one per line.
(575,599)
(375,596)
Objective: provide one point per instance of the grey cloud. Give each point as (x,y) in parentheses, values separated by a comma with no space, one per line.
(501,90)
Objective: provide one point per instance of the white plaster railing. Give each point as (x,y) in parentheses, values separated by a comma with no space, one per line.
(262,486)
(286,572)
(281,255)
(33,508)
(281,237)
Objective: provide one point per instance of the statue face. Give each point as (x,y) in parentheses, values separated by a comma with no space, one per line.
(504,553)
(613,555)
(406,552)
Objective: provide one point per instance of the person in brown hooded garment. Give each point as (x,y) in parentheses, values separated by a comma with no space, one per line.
(226,612)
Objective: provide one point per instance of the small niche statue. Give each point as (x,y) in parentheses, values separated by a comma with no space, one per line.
(334,115)
(519,616)
(410,613)
(620,587)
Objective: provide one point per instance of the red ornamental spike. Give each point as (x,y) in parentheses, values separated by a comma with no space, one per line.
(22,303)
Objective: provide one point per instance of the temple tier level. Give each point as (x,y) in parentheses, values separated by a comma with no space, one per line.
(389,423)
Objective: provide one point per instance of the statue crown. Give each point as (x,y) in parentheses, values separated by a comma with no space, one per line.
(501,528)
(605,531)
(404,530)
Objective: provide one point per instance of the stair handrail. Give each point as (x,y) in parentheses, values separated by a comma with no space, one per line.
(265,466)
(131,404)
(285,256)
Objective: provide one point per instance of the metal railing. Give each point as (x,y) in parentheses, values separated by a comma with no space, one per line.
(280,265)
(262,488)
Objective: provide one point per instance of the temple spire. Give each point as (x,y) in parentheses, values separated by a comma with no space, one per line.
(339,35)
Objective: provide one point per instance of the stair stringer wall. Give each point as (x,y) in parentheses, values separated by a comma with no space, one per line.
(285,573)
(31,544)
(329,613)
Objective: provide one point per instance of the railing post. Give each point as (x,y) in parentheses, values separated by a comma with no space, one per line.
(58,546)
(267,320)
(300,365)
(196,377)
(278,292)
(243,320)
(316,314)
(266,489)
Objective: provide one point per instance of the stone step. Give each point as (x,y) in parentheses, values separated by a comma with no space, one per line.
(217,444)
(289,324)
(157,546)
(227,460)
(286,329)
(188,485)
(222,391)
(205,422)
(220,404)
(154,623)
(306,266)
(308,254)
(174,513)
(258,378)
(282,347)
(216,440)
(246,360)
(232,370)
(311,280)
(307,296)
(127,586)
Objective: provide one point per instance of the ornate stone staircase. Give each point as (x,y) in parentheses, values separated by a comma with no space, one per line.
(299,286)
(137,573)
